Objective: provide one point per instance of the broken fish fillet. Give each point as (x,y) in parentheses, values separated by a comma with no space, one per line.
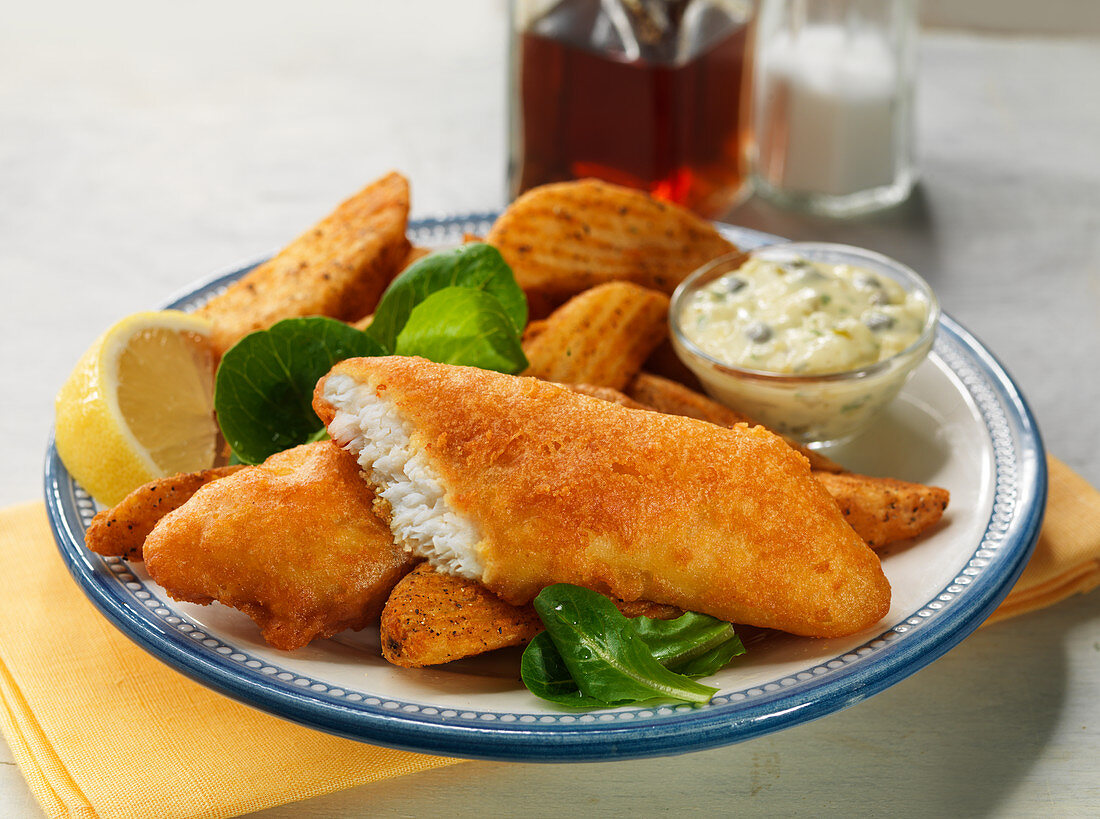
(518,483)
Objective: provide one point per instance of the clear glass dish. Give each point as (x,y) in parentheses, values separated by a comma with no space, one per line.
(822,409)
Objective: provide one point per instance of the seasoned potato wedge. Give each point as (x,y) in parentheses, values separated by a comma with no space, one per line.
(883,510)
(566,237)
(600,337)
(337,268)
(432,618)
(121,530)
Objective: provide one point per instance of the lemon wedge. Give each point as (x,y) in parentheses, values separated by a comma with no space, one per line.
(139,405)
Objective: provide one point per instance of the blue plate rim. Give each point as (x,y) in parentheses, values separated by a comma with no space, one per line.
(656,731)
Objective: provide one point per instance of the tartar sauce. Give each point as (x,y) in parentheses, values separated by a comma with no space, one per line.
(802,317)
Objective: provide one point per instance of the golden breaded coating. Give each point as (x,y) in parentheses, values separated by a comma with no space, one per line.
(672,398)
(560,487)
(338,268)
(292,543)
(121,530)
(599,337)
(607,394)
(434,618)
(883,510)
(566,237)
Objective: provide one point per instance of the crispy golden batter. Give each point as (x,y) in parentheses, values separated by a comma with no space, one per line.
(672,398)
(434,618)
(599,337)
(607,394)
(292,543)
(566,237)
(337,268)
(883,510)
(632,503)
(121,530)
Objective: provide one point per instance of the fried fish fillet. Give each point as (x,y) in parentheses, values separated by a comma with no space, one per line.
(562,238)
(673,398)
(432,618)
(121,530)
(881,510)
(338,268)
(519,483)
(599,337)
(293,543)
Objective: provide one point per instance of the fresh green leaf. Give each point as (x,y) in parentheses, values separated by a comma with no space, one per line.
(459,325)
(607,659)
(475,266)
(263,393)
(547,676)
(695,645)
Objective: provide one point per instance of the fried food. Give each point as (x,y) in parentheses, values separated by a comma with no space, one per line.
(121,530)
(519,483)
(607,394)
(293,543)
(600,337)
(672,398)
(338,268)
(566,237)
(884,510)
(434,618)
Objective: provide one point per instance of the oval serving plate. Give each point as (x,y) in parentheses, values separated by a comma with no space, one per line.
(960,423)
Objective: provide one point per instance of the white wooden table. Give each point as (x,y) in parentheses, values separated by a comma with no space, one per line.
(143,146)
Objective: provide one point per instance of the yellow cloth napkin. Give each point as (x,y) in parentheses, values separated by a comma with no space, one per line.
(101,729)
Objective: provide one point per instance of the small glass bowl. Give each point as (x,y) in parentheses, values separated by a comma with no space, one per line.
(816,410)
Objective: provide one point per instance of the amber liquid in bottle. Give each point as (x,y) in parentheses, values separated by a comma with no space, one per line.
(678,129)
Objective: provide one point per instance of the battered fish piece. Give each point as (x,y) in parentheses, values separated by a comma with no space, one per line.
(121,530)
(519,483)
(672,398)
(293,543)
(434,618)
(338,268)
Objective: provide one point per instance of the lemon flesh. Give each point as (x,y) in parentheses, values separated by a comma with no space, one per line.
(139,405)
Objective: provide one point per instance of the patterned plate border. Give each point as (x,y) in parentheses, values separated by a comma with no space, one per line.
(933,628)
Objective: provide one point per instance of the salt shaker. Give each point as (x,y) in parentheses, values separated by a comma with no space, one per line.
(834,103)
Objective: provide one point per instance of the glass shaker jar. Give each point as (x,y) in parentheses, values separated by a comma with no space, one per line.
(834,103)
(653,94)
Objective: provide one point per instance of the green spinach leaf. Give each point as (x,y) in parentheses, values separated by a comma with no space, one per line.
(475,266)
(547,676)
(608,660)
(695,645)
(263,392)
(460,325)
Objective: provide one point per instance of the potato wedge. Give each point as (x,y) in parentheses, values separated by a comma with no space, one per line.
(432,618)
(337,268)
(674,398)
(599,337)
(121,530)
(566,237)
(884,510)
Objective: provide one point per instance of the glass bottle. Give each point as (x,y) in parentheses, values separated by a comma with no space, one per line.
(653,94)
(834,103)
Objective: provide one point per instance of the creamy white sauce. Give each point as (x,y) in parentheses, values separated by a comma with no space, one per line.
(802,317)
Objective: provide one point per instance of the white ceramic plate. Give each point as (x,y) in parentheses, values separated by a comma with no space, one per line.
(960,423)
